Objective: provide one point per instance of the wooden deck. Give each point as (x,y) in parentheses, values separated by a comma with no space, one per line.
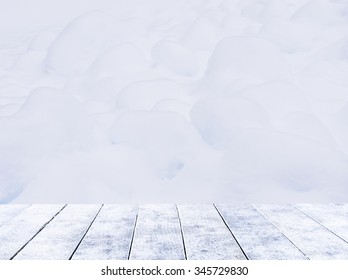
(176,232)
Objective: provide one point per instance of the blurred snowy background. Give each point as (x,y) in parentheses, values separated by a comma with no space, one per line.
(173,101)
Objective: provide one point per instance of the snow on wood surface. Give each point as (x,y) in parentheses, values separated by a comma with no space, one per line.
(259,238)
(157,234)
(59,239)
(333,217)
(205,234)
(110,235)
(19,230)
(9,211)
(309,236)
(299,231)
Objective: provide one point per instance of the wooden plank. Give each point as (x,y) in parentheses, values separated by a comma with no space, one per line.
(110,235)
(259,238)
(157,234)
(315,241)
(19,230)
(9,211)
(205,234)
(333,217)
(59,239)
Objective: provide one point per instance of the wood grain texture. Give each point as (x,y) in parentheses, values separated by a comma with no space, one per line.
(157,234)
(9,211)
(259,238)
(110,235)
(206,236)
(333,217)
(315,241)
(19,230)
(59,239)
(196,232)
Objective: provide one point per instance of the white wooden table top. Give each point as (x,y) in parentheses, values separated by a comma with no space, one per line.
(177,232)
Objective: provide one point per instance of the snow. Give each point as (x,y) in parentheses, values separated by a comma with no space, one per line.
(171,101)
(252,60)
(277,98)
(166,138)
(80,43)
(201,35)
(207,221)
(307,126)
(305,231)
(265,242)
(157,234)
(121,61)
(288,35)
(144,95)
(175,58)
(281,163)
(222,119)
(174,231)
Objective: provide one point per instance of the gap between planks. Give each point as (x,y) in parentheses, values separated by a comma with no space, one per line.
(133,233)
(86,232)
(38,232)
(181,231)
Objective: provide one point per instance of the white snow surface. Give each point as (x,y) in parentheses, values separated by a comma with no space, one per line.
(173,101)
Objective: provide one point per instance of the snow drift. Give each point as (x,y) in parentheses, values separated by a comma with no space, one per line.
(173,101)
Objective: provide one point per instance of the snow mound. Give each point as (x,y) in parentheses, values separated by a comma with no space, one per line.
(166,138)
(173,105)
(278,99)
(42,41)
(322,87)
(175,58)
(321,13)
(289,36)
(338,124)
(283,9)
(243,58)
(49,122)
(122,62)
(280,163)
(80,43)
(173,101)
(221,119)
(143,95)
(201,35)
(308,126)
(108,169)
